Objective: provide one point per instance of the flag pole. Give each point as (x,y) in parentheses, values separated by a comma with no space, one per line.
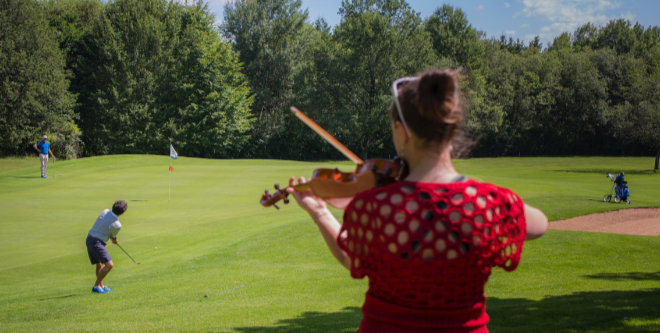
(173,156)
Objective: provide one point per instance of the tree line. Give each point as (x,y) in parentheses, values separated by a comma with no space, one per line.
(131,76)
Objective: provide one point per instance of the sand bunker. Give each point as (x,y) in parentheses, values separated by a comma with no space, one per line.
(634,221)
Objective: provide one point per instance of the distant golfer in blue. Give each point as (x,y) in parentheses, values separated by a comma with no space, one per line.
(43,147)
(106,227)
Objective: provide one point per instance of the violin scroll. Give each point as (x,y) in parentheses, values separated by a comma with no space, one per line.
(269,199)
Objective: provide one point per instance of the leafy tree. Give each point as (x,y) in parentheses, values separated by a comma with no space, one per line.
(511,45)
(647,41)
(147,73)
(266,35)
(316,85)
(203,96)
(520,86)
(153,72)
(585,36)
(453,37)
(618,36)
(116,78)
(579,109)
(34,99)
(72,20)
(563,41)
(380,42)
(635,106)
(650,119)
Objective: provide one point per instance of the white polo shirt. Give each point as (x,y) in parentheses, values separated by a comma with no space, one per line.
(107,225)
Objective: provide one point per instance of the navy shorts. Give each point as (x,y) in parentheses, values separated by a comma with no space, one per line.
(96,251)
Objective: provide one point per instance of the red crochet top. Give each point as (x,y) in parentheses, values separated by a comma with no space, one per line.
(428,250)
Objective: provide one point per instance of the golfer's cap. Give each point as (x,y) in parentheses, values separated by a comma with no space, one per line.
(44,137)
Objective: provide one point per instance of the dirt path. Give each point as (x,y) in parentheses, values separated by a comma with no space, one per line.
(635,221)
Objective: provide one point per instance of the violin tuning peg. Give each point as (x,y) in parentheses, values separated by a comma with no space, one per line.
(274,205)
(286,200)
(277,186)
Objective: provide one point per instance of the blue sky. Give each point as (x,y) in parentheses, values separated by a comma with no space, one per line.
(522,19)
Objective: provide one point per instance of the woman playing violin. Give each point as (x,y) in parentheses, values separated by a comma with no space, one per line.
(427,242)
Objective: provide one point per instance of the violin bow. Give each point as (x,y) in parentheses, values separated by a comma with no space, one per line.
(326,136)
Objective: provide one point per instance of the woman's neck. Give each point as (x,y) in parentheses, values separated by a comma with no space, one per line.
(432,166)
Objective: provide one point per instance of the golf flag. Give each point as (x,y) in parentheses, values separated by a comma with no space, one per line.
(173,156)
(173,153)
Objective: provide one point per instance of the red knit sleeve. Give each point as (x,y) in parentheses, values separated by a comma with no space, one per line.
(356,237)
(508,230)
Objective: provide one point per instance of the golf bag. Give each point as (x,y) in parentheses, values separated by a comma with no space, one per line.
(620,191)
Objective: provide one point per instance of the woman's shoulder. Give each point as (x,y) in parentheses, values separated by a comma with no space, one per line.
(425,190)
(412,186)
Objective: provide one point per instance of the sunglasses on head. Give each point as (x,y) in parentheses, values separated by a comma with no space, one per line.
(395,93)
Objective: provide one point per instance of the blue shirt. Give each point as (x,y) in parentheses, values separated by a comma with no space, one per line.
(43,147)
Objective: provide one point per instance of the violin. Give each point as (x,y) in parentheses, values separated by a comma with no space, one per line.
(336,187)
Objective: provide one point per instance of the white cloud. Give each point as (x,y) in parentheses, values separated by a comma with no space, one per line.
(510,32)
(507,5)
(480,7)
(568,15)
(627,16)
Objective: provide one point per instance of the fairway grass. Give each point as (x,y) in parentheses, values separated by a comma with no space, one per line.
(214,260)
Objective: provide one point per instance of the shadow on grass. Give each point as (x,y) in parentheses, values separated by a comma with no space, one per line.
(346,320)
(58,297)
(614,172)
(634,276)
(601,200)
(594,311)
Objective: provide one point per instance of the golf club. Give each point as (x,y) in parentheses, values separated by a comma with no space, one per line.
(127,254)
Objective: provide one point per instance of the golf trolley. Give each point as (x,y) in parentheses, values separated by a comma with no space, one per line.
(619,191)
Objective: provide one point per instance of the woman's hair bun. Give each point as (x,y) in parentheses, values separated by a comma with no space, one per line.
(438,96)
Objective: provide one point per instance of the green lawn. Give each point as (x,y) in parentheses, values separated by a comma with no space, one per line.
(264,270)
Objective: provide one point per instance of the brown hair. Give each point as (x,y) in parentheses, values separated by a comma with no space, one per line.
(431,106)
(119,207)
